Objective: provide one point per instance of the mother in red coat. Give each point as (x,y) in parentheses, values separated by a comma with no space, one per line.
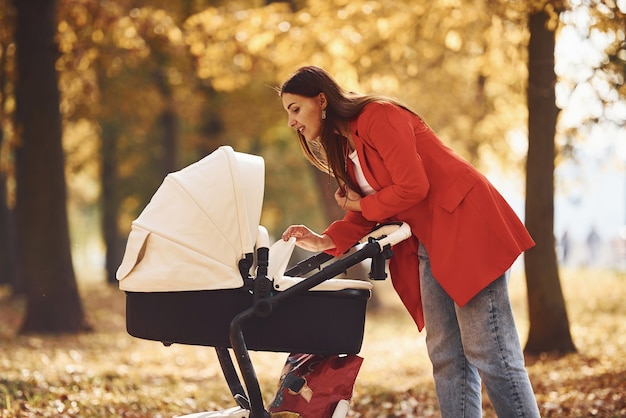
(452,273)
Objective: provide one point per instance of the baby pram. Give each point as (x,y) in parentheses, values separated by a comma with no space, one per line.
(198,269)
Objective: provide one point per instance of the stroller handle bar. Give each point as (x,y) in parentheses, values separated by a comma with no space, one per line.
(382,237)
(385,234)
(388,234)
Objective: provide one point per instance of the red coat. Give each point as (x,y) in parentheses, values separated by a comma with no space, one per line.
(470,232)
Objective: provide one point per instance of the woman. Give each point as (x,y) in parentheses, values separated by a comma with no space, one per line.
(452,273)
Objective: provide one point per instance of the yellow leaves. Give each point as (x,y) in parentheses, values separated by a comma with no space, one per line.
(125,34)
(332,35)
(383,27)
(338,47)
(97,36)
(228,45)
(157,22)
(259,42)
(400,45)
(132,31)
(453,40)
(66,37)
(386,84)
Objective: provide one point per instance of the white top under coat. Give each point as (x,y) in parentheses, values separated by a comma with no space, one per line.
(360,177)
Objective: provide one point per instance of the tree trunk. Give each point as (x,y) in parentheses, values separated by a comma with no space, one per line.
(549,325)
(110,201)
(7,241)
(44,257)
(167,122)
(7,253)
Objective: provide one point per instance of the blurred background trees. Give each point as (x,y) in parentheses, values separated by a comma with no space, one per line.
(149,87)
(42,242)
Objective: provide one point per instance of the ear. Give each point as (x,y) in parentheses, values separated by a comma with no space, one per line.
(322,100)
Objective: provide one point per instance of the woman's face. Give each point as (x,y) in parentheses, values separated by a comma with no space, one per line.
(305,114)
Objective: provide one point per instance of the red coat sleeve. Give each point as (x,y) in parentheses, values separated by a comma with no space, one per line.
(390,132)
(346,232)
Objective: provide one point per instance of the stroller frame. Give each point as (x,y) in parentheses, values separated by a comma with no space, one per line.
(376,246)
(264,306)
(190,256)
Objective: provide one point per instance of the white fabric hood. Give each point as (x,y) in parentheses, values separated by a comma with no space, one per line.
(200,222)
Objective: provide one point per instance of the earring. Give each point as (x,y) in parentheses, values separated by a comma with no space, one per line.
(323,114)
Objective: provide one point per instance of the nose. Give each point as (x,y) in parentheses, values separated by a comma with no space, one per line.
(291,123)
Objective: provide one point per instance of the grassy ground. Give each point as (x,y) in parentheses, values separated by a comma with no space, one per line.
(107,373)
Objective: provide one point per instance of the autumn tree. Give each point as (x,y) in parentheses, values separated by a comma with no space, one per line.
(155,60)
(93,34)
(43,244)
(549,324)
(123,68)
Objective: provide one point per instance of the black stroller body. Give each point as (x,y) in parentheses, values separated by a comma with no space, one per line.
(197,251)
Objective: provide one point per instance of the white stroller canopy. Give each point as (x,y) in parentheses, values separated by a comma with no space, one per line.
(200,222)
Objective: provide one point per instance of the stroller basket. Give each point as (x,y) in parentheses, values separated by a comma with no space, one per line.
(198,269)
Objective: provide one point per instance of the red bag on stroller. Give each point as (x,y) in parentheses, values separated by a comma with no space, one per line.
(312,385)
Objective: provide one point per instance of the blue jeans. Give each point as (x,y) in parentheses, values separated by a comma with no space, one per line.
(476,342)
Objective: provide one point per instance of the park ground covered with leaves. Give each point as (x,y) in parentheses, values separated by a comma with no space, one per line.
(108,373)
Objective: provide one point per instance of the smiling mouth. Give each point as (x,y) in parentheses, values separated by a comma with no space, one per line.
(301,129)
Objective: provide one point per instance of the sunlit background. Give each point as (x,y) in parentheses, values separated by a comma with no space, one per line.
(591,167)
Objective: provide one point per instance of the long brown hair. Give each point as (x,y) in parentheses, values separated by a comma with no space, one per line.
(329,154)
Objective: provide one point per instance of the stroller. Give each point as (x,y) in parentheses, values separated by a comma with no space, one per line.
(198,269)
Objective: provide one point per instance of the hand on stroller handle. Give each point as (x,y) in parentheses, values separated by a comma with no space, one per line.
(386,234)
(380,240)
(389,234)
(308,239)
